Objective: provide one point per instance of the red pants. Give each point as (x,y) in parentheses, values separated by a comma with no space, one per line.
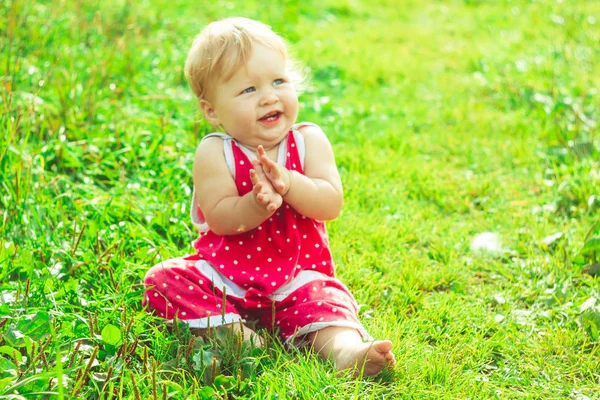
(202,297)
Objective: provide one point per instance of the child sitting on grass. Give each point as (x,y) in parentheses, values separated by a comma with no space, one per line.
(262,190)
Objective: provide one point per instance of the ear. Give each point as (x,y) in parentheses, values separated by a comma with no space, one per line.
(209,112)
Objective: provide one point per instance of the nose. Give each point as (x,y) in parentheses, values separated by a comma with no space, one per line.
(269,98)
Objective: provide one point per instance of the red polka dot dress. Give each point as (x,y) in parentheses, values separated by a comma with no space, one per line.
(280,274)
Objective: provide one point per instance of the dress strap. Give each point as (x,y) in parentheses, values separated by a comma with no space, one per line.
(282,152)
(227,150)
(300,139)
(228,142)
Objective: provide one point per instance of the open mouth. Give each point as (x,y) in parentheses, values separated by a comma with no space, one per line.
(271,117)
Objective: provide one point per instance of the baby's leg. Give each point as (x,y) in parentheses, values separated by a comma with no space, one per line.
(324,311)
(178,288)
(345,347)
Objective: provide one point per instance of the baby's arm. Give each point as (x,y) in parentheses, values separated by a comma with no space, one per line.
(318,193)
(226,212)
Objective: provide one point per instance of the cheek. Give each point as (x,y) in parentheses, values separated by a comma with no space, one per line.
(290,98)
(292,104)
(247,114)
(242,116)
(241,111)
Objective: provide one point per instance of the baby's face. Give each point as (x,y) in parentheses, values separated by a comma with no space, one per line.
(259,104)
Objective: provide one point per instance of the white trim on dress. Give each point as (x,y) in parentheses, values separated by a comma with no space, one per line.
(304,277)
(226,285)
(213,321)
(219,280)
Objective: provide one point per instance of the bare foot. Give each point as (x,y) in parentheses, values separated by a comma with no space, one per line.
(371,357)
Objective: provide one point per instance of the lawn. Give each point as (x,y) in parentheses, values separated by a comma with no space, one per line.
(448,119)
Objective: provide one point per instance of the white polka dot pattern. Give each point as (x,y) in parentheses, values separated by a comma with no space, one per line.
(276,245)
(259,261)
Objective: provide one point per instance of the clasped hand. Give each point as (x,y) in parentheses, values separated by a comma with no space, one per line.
(270,181)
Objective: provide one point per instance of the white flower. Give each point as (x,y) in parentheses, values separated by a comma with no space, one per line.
(487,242)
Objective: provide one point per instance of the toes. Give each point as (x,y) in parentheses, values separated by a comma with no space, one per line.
(382,346)
(370,359)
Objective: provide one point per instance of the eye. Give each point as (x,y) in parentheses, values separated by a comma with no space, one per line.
(279,81)
(248,90)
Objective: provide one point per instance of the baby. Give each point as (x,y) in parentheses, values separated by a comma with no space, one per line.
(262,190)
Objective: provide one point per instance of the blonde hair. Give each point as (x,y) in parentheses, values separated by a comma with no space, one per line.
(224,46)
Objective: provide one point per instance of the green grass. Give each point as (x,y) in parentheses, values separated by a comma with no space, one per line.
(448,119)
